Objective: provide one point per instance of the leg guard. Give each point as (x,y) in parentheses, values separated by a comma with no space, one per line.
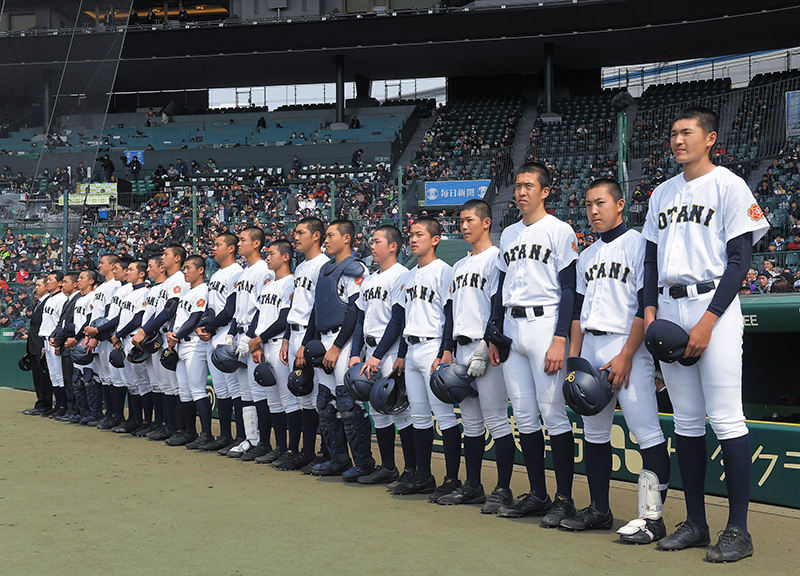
(357,428)
(250,424)
(331,427)
(649,526)
(94,398)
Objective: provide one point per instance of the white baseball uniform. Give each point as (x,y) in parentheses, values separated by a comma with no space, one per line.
(114,311)
(305,285)
(610,275)
(379,292)
(50,315)
(251,281)
(426,291)
(135,375)
(531,258)
(692,222)
(274,297)
(173,287)
(155,371)
(84,308)
(192,371)
(102,299)
(475,280)
(220,287)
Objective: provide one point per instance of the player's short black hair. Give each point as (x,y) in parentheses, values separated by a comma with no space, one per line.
(612,185)
(157,258)
(541,171)
(345,227)
(124,261)
(91,274)
(706,117)
(256,234)
(58,274)
(284,247)
(230,240)
(179,251)
(72,275)
(197,261)
(110,258)
(431,225)
(141,266)
(480,207)
(392,234)
(314,225)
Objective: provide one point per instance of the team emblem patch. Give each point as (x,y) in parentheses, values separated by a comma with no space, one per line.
(574,246)
(201,303)
(359,280)
(755,212)
(177,290)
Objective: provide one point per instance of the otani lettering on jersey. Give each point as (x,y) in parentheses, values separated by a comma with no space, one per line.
(132,304)
(102,297)
(195,300)
(84,306)
(275,296)
(51,313)
(249,285)
(222,285)
(426,291)
(475,280)
(116,300)
(610,276)
(531,257)
(379,292)
(305,283)
(691,222)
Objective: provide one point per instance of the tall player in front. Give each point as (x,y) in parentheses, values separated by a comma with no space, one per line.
(700,230)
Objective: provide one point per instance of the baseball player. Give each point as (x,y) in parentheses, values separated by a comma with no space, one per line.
(266,336)
(130,320)
(103,295)
(377,336)
(50,316)
(537,261)
(65,328)
(700,229)
(166,305)
(192,370)
(87,391)
(428,312)
(342,420)
(608,331)
(255,410)
(157,275)
(219,313)
(309,234)
(475,281)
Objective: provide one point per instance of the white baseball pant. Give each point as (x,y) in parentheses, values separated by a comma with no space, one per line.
(422,401)
(490,408)
(402,420)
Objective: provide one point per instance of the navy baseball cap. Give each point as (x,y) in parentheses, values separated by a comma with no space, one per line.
(667,341)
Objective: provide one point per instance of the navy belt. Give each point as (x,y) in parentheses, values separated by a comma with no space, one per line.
(333,330)
(597,332)
(465,340)
(520,311)
(683,291)
(371,341)
(297,327)
(418,339)
(240,329)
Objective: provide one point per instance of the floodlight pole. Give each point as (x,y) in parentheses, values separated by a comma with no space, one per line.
(400,197)
(65,196)
(194,219)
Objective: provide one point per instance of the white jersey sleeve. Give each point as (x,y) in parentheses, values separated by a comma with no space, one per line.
(276,296)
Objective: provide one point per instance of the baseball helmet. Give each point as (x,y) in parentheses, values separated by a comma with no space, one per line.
(263,375)
(153,342)
(208,316)
(137,355)
(26,362)
(225,359)
(96,323)
(667,341)
(314,353)
(169,359)
(495,335)
(388,395)
(81,355)
(301,380)
(117,358)
(59,337)
(451,384)
(586,390)
(357,383)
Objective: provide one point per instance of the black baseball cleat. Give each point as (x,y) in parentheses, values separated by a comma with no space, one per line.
(528,505)
(356,472)
(201,440)
(49,412)
(33,412)
(687,535)
(643,531)
(125,427)
(180,438)
(448,486)
(331,467)
(589,518)
(497,499)
(256,451)
(291,460)
(216,444)
(160,434)
(59,413)
(733,545)
(144,429)
(562,508)
(464,494)
(380,475)
(270,456)
(412,483)
(318,459)
(109,424)
(233,444)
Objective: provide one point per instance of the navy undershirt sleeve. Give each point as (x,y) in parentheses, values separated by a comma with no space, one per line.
(251,330)
(640,303)
(349,324)
(135,322)
(497,301)
(394,329)
(740,252)
(650,295)
(160,319)
(190,324)
(567,280)
(576,309)
(447,332)
(225,315)
(358,335)
(276,328)
(311,329)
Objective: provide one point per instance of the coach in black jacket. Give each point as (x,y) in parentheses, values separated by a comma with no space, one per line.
(35,348)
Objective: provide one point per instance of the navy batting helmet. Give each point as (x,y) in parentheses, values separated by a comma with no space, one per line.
(96,323)
(451,384)
(388,395)
(301,380)
(25,363)
(137,356)
(314,353)
(117,358)
(169,359)
(263,375)
(153,342)
(357,383)
(495,335)
(667,341)
(225,359)
(81,355)
(586,390)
